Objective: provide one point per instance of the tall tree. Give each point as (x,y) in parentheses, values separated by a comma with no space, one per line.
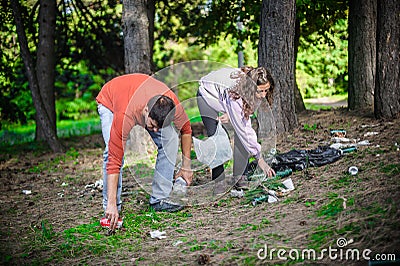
(276,53)
(387,92)
(138,28)
(362,54)
(46,63)
(43,118)
(298,99)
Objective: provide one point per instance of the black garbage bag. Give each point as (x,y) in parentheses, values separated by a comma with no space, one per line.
(298,160)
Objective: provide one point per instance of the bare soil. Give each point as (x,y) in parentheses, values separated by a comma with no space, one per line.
(368,217)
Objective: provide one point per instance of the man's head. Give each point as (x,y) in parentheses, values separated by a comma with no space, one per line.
(159,112)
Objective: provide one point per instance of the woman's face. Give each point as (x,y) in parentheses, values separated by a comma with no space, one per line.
(262,90)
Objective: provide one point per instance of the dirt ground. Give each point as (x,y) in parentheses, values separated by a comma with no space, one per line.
(368,216)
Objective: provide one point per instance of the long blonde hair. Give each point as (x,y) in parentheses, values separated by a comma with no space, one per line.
(246,87)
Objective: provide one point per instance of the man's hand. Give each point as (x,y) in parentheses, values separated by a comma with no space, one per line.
(186,169)
(186,174)
(112,215)
(112,210)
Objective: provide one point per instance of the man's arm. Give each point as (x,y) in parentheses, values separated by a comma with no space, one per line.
(112,210)
(186,169)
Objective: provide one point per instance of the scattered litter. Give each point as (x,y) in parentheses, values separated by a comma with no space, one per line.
(27,192)
(343,140)
(237,194)
(98,184)
(268,198)
(286,172)
(339,146)
(344,202)
(363,143)
(64,184)
(302,159)
(259,199)
(177,243)
(288,183)
(105,222)
(370,134)
(340,133)
(158,234)
(348,150)
(180,187)
(353,170)
(374,125)
(272,199)
(60,194)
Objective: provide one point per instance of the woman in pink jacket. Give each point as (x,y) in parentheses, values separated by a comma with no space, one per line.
(236,93)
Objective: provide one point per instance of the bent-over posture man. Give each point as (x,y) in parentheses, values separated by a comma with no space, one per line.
(139,99)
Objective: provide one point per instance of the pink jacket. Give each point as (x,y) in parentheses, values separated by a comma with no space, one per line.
(214,88)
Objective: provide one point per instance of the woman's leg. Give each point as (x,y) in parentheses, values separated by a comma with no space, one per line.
(209,115)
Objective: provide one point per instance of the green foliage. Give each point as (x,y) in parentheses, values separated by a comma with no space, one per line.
(310,127)
(66,128)
(90,48)
(322,68)
(76,109)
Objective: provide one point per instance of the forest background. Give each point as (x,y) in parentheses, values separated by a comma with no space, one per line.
(56,55)
(89,52)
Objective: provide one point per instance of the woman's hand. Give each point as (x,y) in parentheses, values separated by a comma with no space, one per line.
(268,171)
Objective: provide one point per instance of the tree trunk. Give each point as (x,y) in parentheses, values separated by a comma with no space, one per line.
(387,89)
(276,53)
(298,99)
(362,54)
(46,63)
(138,27)
(41,114)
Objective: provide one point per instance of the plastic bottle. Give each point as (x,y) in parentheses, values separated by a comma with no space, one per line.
(349,149)
(286,172)
(180,186)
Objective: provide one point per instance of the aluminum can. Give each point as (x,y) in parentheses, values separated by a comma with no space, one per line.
(105,223)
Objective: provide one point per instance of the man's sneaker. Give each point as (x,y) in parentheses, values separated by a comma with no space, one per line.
(242,183)
(166,206)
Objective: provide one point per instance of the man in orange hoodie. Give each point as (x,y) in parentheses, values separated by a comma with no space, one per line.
(139,99)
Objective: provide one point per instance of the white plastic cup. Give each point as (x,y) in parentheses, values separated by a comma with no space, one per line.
(353,170)
(288,183)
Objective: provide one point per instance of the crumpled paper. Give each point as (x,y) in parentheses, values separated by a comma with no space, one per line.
(158,234)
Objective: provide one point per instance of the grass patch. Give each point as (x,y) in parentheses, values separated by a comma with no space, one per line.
(66,128)
(91,238)
(391,169)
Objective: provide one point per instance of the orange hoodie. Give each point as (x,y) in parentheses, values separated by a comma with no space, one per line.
(126,96)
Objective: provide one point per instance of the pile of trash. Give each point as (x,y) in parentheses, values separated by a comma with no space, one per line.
(272,189)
